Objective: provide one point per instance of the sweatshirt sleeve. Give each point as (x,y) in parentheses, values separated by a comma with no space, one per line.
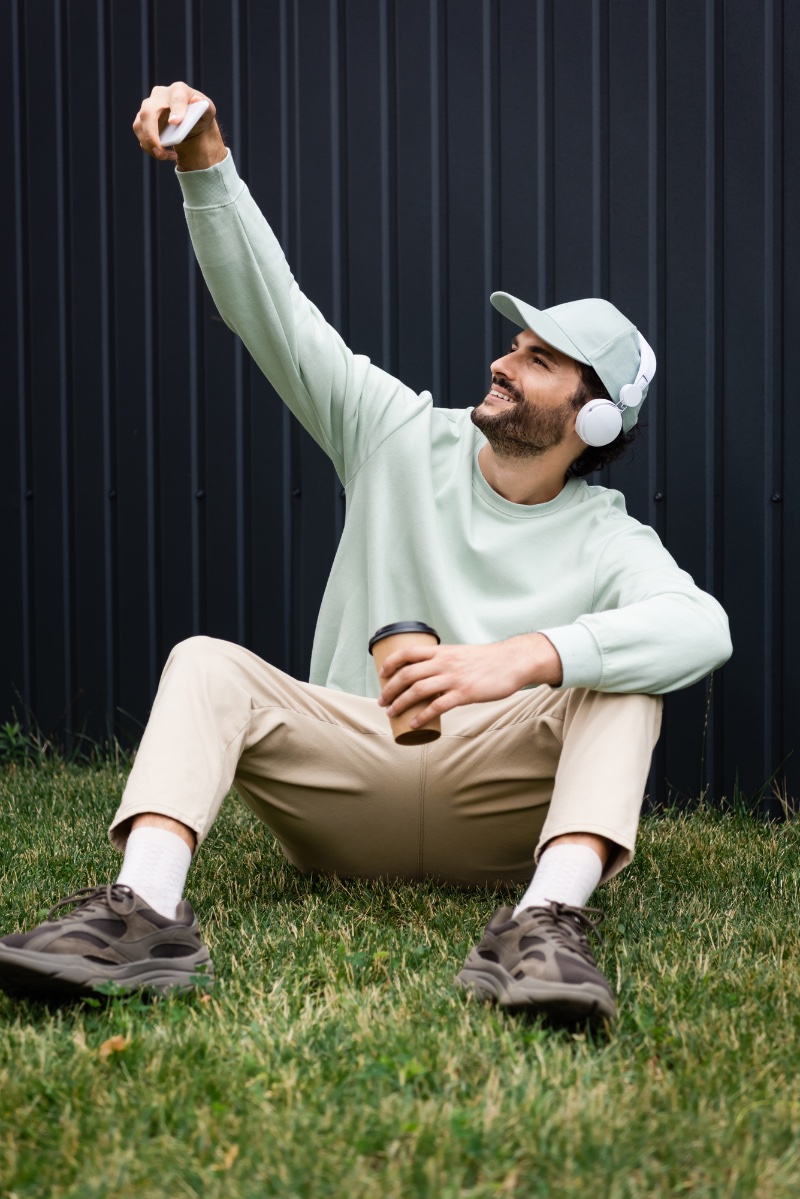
(347,405)
(651,629)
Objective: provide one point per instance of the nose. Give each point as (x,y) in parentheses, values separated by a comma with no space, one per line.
(503,366)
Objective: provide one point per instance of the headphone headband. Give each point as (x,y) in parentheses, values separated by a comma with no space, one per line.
(630,395)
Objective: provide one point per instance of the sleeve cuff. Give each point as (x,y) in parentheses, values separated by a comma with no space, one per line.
(581,660)
(213,187)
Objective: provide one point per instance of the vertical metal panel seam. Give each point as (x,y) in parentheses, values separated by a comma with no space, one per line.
(26,529)
(600,155)
(714,214)
(283,32)
(600,167)
(545,182)
(773,284)
(394,229)
(286,426)
(596,146)
(656,50)
(541,157)
(767,581)
(490,171)
(714,361)
(65,399)
(785,55)
(436,274)
(710,350)
(247,367)
(296,434)
(336,166)
(656,251)
(497,228)
(439,256)
(297,173)
(150,332)
(195,349)
(386,311)
(784,349)
(105,204)
(240,479)
(388,125)
(338,208)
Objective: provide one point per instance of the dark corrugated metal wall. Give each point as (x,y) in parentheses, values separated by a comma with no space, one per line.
(413,157)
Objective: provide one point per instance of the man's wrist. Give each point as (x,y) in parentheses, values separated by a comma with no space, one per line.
(201,152)
(540,661)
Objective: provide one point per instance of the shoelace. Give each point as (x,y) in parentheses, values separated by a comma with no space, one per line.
(570,921)
(117,896)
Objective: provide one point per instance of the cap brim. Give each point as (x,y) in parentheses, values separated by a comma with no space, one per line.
(528,317)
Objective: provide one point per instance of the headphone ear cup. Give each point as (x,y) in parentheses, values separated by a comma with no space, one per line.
(630,395)
(598,423)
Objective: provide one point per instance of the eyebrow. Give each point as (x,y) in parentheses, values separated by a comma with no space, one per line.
(536,349)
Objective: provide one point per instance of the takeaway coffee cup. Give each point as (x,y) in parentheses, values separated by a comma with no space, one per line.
(386,641)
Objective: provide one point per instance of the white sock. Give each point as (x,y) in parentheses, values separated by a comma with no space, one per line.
(565,874)
(155,866)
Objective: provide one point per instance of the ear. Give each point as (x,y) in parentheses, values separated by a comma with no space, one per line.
(573,430)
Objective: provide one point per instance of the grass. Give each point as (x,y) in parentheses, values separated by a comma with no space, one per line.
(336,1059)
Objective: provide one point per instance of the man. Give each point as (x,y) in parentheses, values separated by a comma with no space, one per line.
(562,620)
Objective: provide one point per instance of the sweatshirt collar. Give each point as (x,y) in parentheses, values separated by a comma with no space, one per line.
(566,496)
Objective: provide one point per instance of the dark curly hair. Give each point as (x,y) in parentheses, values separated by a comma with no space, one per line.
(595,457)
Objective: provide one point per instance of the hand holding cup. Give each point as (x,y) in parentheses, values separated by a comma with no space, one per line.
(383,643)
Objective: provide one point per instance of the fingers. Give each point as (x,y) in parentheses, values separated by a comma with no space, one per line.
(165,105)
(149,122)
(404,677)
(442,703)
(414,691)
(417,673)
(180,97)
(417,653)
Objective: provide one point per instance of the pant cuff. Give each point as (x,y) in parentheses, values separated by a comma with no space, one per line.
(616,862)
(119,829)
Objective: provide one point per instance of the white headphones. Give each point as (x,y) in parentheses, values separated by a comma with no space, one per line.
(600,421)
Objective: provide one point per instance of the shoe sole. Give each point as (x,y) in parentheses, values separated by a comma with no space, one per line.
(24,973)
(569,1001)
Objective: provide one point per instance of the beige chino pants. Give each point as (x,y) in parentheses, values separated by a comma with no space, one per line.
(322,771)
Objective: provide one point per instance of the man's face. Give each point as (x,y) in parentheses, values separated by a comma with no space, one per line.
(529,407)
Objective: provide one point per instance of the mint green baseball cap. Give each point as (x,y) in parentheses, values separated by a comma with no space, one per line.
(592,331)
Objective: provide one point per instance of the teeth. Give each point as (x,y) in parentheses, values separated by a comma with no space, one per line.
(499,395)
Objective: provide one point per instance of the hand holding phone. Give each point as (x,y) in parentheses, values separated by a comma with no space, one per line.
(192,140)
(173,135)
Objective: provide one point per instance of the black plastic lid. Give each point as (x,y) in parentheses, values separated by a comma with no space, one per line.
(402,626)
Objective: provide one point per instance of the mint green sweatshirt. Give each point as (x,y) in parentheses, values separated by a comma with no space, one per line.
(425,537)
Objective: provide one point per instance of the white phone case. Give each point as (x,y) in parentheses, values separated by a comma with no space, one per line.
(172,135)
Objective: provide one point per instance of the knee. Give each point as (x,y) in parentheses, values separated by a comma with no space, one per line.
(635,711)
(199,655)
(643,713)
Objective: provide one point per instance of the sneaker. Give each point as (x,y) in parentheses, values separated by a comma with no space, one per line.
(111,936)
(541,961)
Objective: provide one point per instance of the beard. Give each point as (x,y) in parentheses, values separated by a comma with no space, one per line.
(526,429)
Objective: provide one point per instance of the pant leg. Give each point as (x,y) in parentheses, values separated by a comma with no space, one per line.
(608,743)
(318,766)
(507,777)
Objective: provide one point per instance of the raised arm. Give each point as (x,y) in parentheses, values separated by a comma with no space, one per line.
(347,405)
